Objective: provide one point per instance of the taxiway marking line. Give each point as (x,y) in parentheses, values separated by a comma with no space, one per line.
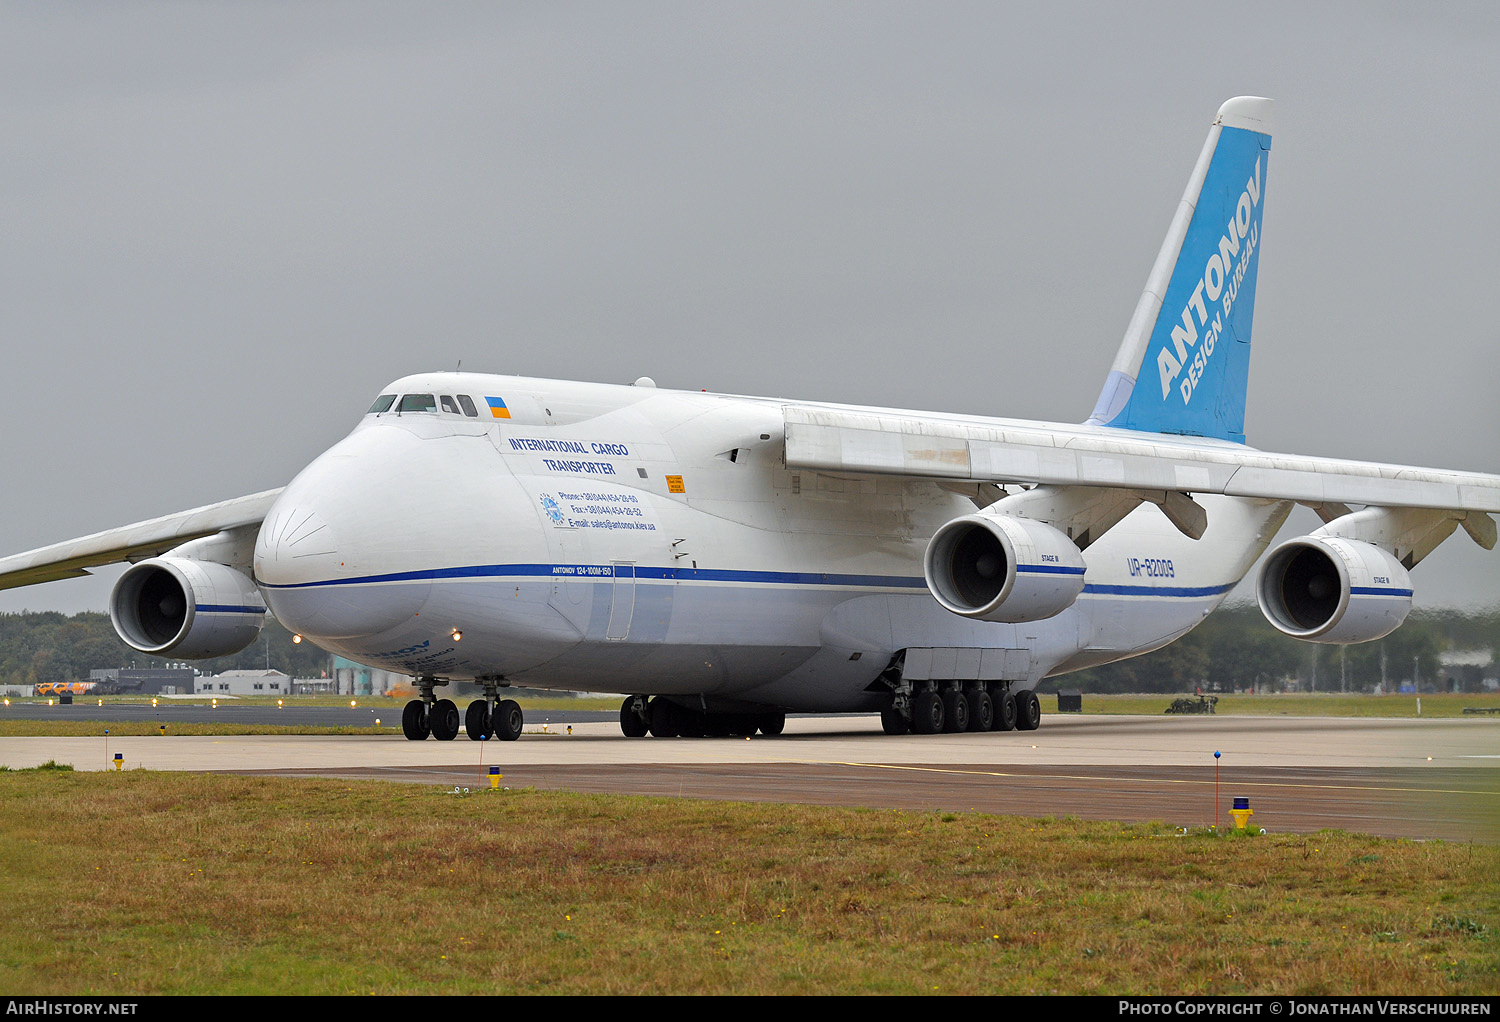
(1148,780)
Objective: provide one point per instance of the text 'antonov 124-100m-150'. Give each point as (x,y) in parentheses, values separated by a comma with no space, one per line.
(722,560)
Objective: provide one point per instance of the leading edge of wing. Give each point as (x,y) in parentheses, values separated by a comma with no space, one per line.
(70,558)
(907,444)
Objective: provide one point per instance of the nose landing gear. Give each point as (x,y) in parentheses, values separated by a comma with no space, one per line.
(427,715)
(477,719)
(490,716)
(414,721)
(443,719)
(507,719)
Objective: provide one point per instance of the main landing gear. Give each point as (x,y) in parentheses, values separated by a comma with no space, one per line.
(487,717)
(662,718)
(951,707)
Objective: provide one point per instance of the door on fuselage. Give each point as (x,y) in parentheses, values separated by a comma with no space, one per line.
(622,601)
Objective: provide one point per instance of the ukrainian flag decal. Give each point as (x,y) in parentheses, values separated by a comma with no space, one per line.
(497,407)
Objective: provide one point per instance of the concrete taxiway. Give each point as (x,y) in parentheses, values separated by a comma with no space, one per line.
(1432,778)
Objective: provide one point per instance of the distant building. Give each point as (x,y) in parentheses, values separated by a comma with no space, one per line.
(352,679)
(244,683)
(1465,670)
(314,686)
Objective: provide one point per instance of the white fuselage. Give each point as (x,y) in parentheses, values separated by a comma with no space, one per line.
(636,540)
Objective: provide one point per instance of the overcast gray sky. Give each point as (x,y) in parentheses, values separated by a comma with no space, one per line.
(224,227)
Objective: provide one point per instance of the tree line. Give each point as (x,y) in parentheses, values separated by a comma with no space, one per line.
(1235,648)
(43,646)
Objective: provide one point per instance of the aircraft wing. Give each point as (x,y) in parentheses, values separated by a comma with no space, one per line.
(1001,451)
(71,558)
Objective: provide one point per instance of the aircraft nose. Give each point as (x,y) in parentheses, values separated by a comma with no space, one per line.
(294,540)
(319,555)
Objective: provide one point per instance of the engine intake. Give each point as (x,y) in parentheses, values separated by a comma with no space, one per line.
(1331,589)
(186,608)
(1003,568)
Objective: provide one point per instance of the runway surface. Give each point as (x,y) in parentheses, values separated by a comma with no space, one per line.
(1396,778)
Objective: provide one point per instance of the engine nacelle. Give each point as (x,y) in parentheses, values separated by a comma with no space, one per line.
(1331,589)
(186,608)
(1003,568)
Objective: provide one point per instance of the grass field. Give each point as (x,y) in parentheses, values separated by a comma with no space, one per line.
(152,883)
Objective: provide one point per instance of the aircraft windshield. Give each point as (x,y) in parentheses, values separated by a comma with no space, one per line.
(418,403)
(383,403)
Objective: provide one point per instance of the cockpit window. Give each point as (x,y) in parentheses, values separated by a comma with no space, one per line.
(448,405)
(417,403)
(383,403)
(468,404)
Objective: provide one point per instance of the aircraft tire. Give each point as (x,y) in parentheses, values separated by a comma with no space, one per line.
(477,720)
(927,713)
(631,723)
(717,725)
(1028,711)
(690,722)
(1005,711)
(444,720)
(955,713)
(772,724)
(663,720)
(507,720)
(414,721)
(981,710)
(893,723)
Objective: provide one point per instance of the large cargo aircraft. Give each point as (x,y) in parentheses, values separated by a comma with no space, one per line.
(721,560)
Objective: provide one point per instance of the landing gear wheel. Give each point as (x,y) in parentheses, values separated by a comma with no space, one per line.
(927,713)
(507,720)
(892,722)
(414,721)
(955,712)
(772,724)
(1028,711)
(444,720)
(630,721)
(663,719)
(716,725)
(741,725)
(689,722)
(1005,712)
(477,720)
(981,710)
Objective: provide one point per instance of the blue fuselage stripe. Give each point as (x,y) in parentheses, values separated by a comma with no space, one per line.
(1113,590)
(600,573)
(224,608)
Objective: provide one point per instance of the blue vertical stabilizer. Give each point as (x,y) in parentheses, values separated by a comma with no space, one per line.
(1185,360)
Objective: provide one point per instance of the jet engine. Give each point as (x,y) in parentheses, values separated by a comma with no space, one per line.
(186,608)
(997,567)
(1331,589)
